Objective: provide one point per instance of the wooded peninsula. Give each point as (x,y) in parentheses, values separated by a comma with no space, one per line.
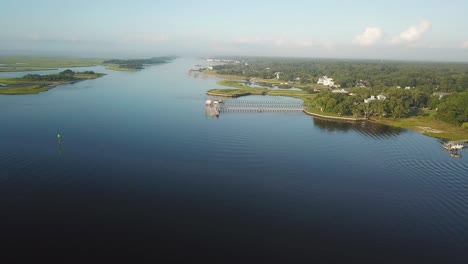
(428,97)
(135,64)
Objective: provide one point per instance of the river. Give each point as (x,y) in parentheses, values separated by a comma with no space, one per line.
(142,171)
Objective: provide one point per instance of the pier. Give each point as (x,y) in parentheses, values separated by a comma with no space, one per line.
(456,144)
(455,147)
(260,106)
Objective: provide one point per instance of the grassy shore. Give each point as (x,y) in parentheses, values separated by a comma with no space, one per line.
(18,86)
(424,123)
(22,63)
(428,126)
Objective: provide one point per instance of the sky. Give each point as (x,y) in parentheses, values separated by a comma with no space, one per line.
(394,30)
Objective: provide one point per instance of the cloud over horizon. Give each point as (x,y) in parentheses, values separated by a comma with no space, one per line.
(369,37)
(465,45)
(413,33)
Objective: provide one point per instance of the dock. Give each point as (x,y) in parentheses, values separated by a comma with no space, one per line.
(456,144)
(260,106)
(455,147)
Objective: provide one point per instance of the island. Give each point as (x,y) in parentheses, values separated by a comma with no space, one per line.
(35,83)
(431,98)
(135,64)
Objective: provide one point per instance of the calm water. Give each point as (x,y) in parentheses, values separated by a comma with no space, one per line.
(142,172)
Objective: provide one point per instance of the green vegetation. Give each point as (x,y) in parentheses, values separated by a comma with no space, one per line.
(34,83)
(430,77)
(408,90)
(427,125)
(134,64)
(21,63)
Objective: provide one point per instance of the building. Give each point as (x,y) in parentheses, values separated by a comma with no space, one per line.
(370,99)
(373,98)
(440,94)
(343,91)
(277,75)
(362,84)
(326,81)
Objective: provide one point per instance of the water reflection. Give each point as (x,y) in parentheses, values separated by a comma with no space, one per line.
(211,112)
(60,148)
(365,128)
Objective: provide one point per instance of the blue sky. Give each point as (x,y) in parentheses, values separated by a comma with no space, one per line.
(418,30)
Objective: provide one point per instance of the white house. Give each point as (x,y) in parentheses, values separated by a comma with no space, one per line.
(277,75)
(441,94)
(373,98)
(343,91)
(370,99)
(326,81)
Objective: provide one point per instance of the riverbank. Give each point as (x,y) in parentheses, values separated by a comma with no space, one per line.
(344,118)
(21,86)
(425,124)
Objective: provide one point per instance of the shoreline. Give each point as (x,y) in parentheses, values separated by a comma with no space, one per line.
(354,119)
(427,126)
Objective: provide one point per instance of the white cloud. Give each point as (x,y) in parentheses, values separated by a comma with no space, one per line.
(465,45)
(413,33)
(369,37)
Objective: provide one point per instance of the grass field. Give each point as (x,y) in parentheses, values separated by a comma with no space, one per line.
(428,126)
(19,63)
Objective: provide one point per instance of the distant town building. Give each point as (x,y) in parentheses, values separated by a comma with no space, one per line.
(326,81)
(361,84)
(381,97)
(343,91)
(440,94)
(277,75)
(373,98)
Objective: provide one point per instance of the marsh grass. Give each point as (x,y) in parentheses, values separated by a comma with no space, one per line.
(22,63)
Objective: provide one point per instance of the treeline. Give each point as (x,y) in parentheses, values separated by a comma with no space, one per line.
(397,103)
(431,77)
(138,63)
(66,75)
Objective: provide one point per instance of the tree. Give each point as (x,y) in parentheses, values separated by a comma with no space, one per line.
(398,111)
(331,103)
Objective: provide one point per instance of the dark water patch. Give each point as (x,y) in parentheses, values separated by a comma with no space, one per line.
(141,170)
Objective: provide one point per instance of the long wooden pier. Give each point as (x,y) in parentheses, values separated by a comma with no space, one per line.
(260,106)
